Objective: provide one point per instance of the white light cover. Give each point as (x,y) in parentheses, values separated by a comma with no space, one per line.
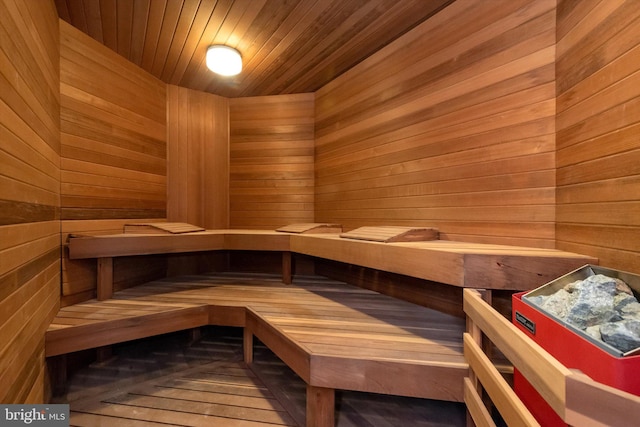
(224,60)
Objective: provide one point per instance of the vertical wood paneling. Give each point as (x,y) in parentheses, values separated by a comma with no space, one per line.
(29,194)
(113,150)
(450,126)
(272,161)
(598,123)
(198,158)
(292,46)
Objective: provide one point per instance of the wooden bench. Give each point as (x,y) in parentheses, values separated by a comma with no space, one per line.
(331,338)
(459,264)
(576,398)
(106,247)
(333,335)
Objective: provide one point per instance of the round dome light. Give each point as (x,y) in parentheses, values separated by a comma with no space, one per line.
(224,60)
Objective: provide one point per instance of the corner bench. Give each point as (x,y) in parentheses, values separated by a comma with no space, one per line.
(334,336)
(460,264)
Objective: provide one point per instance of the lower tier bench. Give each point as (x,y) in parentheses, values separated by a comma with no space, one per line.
(333,335)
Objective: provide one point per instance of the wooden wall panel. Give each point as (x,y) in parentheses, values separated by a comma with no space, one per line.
(272,161)
(452,125)
(113,152)
(29,194)
(598,124)
(113,125)
(198,158)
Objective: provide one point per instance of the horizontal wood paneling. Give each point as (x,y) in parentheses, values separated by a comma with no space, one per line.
(271,161)
(13,212)
(598,122)
(113,154)
(29,194)
(113,134)
(198,158)
(450,126)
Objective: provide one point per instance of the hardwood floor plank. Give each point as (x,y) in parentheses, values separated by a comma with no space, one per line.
(224,413)
(80,419)
(168,367)
(217,397)
(235,397)
(170,416)
(199,385)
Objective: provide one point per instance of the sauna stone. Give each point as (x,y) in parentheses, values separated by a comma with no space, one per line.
(623,335)
(602,306)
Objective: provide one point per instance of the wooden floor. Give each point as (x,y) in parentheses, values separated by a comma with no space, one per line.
(163,381)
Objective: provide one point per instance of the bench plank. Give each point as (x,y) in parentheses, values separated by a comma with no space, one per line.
(314,325)
(82,333)
(462,264)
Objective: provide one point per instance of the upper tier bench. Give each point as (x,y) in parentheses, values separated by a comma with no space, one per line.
(470,265)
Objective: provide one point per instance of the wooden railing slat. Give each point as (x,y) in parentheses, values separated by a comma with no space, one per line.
(575,397)
(544,372)
(513,411)
(590,403)
(479,413)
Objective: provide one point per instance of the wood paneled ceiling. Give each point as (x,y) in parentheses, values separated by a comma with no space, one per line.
(288,46)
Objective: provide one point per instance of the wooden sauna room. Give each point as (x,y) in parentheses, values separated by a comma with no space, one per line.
(332,237)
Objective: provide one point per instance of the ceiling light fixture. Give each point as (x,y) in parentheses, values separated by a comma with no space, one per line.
(224,60)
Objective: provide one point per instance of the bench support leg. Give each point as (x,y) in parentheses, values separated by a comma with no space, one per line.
(105,278)
(247,346)
(104,353)
(57,367)
(286,268)
(195,334)
(320,406)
